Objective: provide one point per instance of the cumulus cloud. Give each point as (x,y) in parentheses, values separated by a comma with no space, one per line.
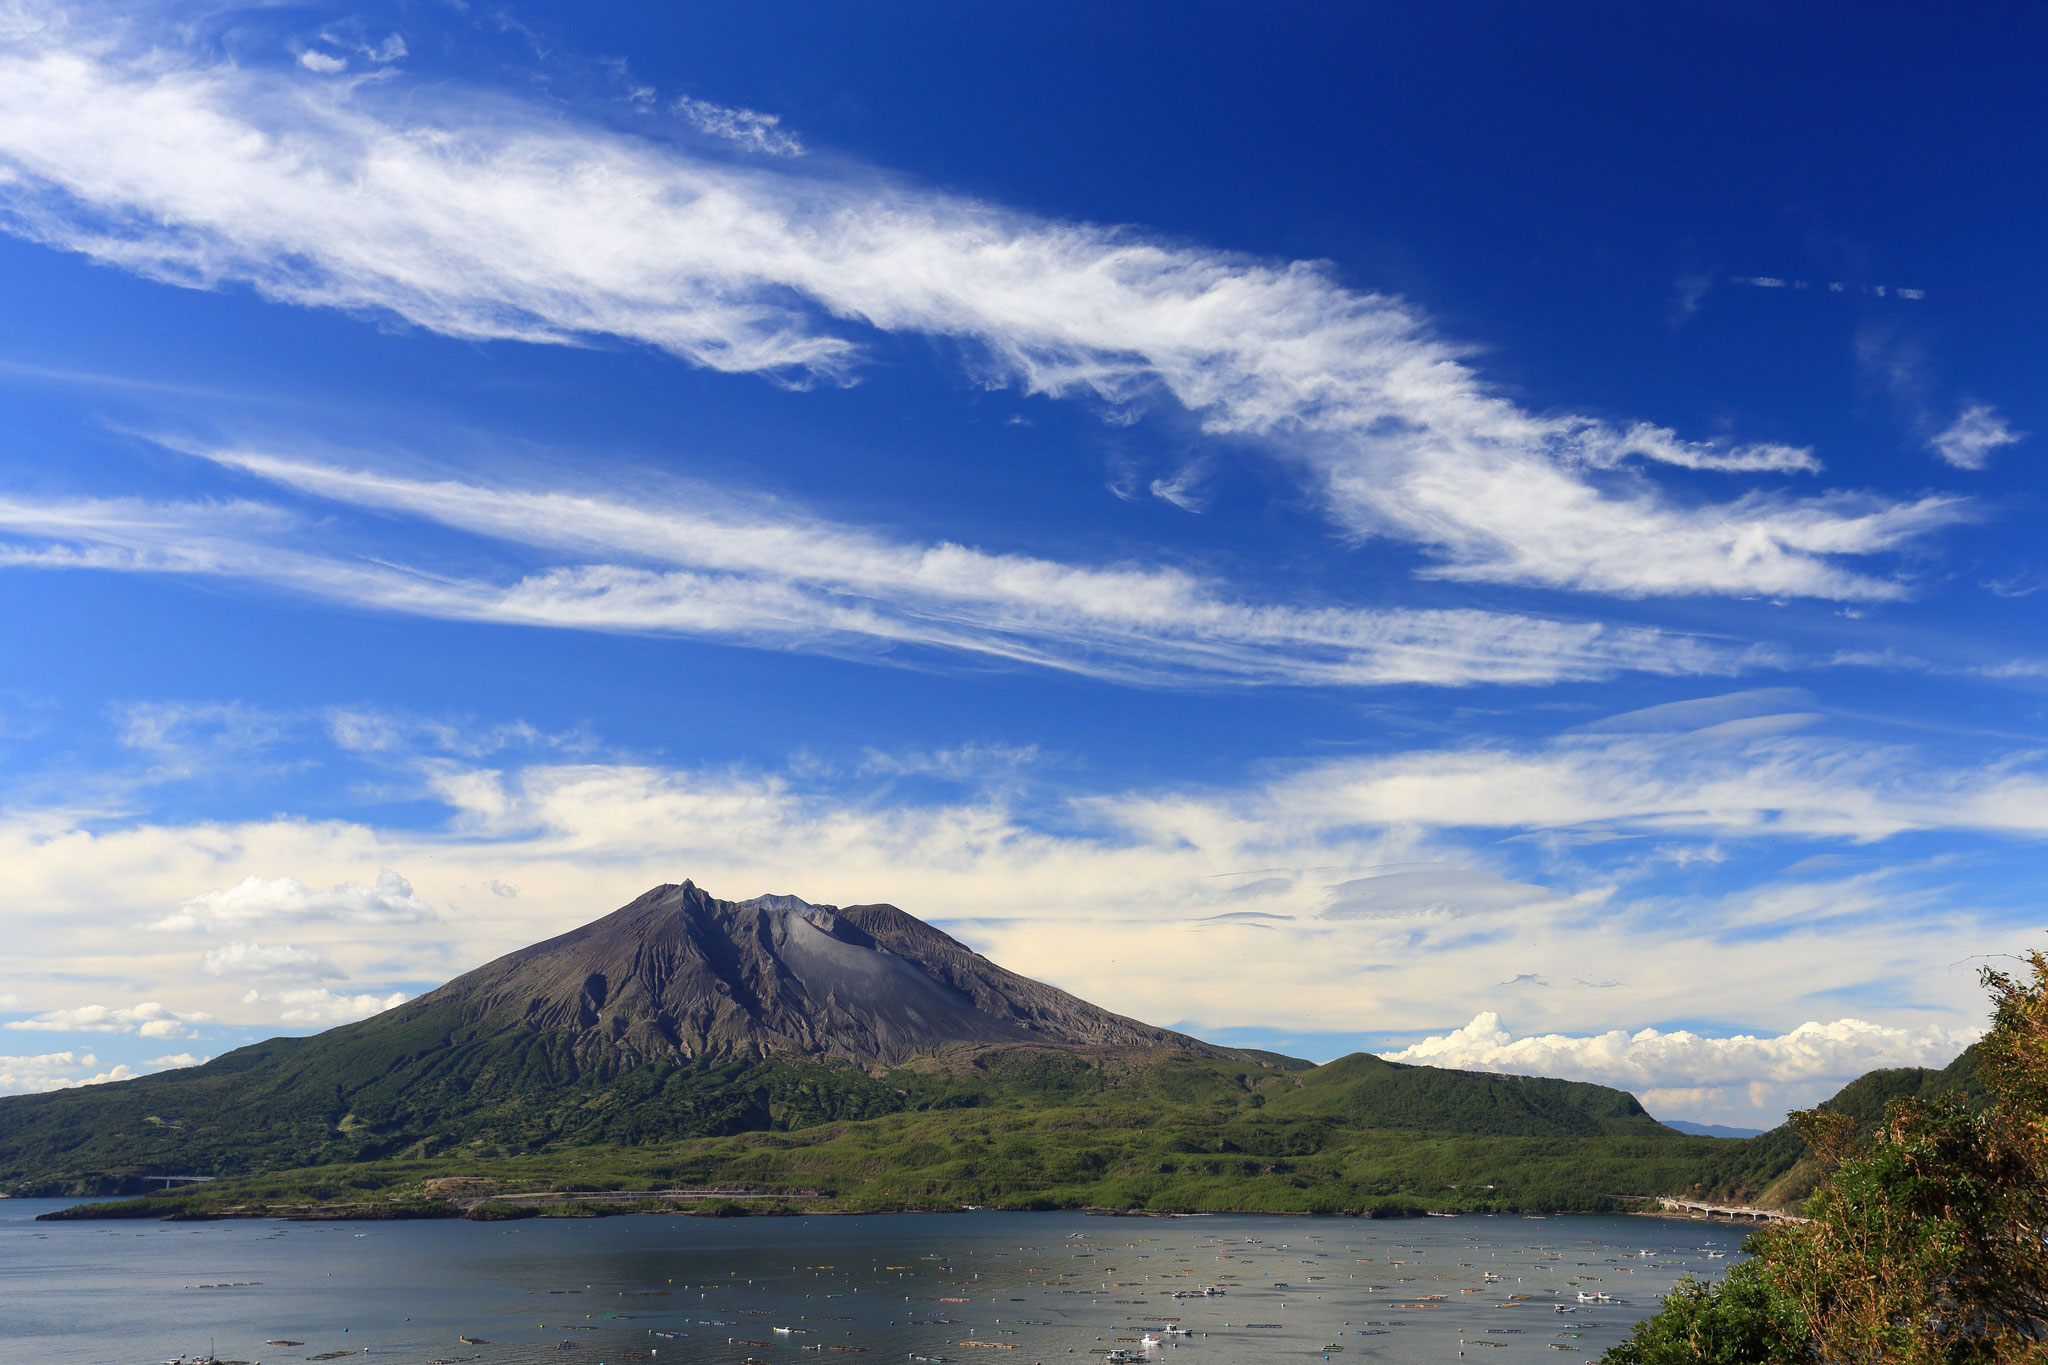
(472,215)
(63,1070)
(273,961)
(147,1020)
(318,1005)
(1687,1067)
(765,576)
(1968,441)
(287,900)
(748,129)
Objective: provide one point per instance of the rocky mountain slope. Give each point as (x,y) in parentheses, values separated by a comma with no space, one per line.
(680,974)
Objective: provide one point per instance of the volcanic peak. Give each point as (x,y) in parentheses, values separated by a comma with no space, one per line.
(681,974)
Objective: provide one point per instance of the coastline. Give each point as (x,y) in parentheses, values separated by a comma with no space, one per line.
(555,1204)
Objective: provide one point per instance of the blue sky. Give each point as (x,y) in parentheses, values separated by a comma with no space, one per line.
(1502,535)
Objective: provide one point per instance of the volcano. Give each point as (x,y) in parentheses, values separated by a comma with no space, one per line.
(679,974)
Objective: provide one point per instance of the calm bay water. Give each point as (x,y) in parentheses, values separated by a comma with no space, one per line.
(866,1291)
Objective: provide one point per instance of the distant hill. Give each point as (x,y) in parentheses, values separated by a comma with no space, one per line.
(682,1017)
(1714,1130)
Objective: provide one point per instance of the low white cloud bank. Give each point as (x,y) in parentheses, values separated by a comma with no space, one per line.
(150,1019)
(64,1070)
(1689,1068)
(474,215)
(317,1005)
(1968,441)
(285,900)
(716,568)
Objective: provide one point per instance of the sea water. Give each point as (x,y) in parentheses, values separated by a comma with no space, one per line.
(975,1288)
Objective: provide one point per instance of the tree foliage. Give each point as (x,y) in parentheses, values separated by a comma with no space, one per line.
(1926,1242)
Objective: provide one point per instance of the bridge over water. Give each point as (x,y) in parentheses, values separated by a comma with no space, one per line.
(1739,1213)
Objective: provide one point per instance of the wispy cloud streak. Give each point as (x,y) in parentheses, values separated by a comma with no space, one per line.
(478,217)
(713,568)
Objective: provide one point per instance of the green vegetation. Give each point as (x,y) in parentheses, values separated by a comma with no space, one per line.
(1118,1151)
(1927,1237)
(1012,1128)
(1775,1170)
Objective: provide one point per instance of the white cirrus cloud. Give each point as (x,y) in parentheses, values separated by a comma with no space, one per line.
(764,576)
(963,763)
(471,214)
(149,1019)
(1968,441)
(748,129)
(1683,1066)
(178,729)
(287,900)
(273,961)
(1454,892)
(318,1005)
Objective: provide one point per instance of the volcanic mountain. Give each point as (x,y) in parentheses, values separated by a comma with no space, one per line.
(683,1017)
(679,974)
(678,1015)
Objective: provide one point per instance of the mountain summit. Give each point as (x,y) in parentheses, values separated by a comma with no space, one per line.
(679,974)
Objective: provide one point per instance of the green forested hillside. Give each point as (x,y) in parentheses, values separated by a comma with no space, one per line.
(421,1087)
(1774,1170)
(1359,1136)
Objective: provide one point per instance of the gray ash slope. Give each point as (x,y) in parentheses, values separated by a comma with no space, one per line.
(679,973)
